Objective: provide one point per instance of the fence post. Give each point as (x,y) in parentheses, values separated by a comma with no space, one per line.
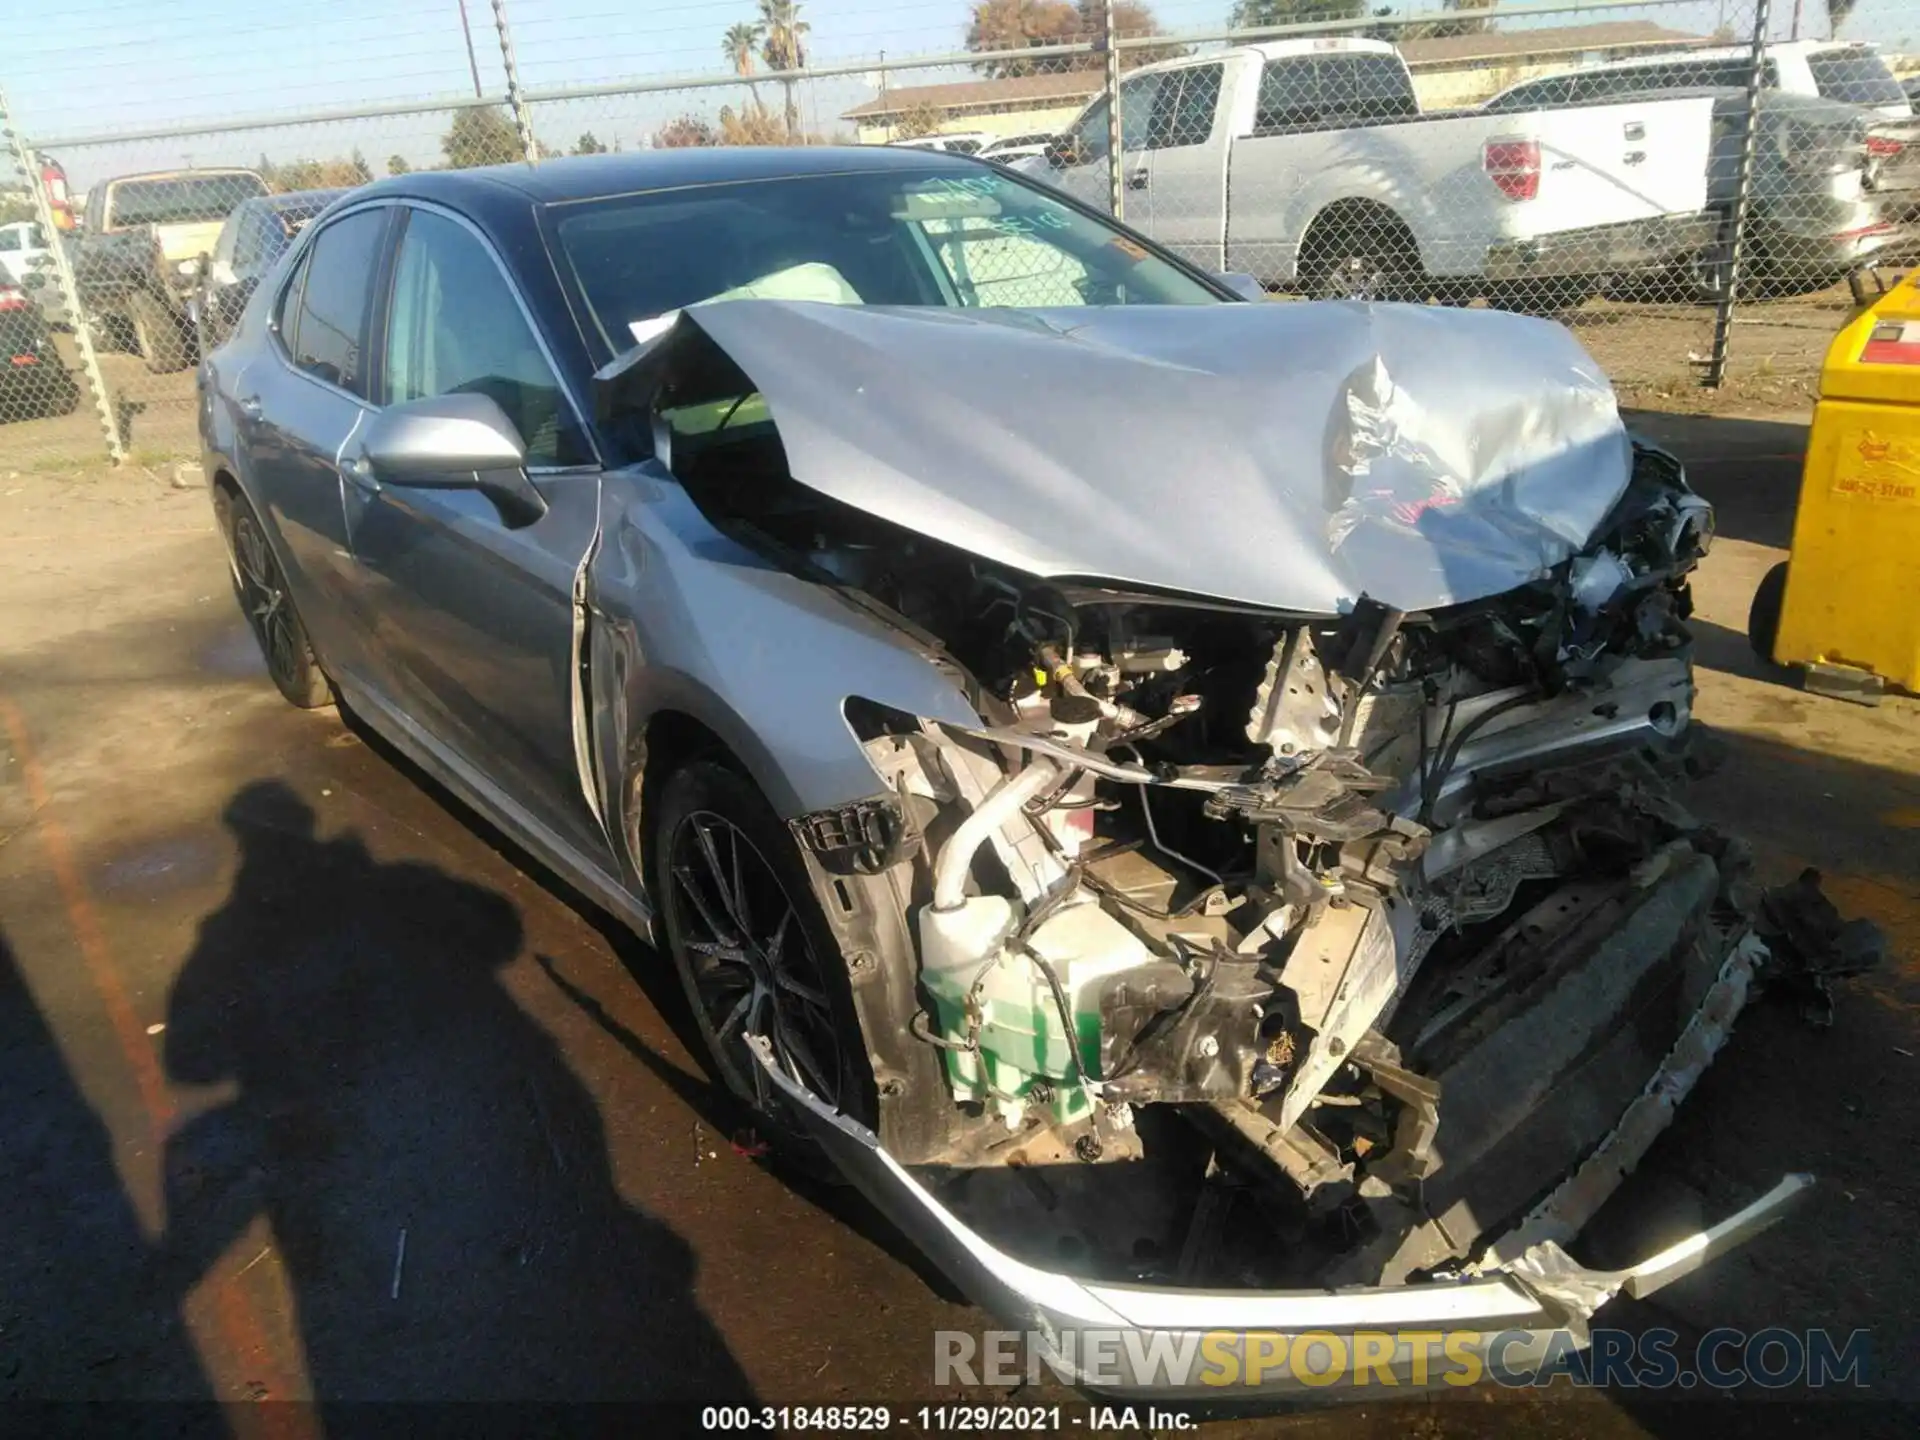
(1743,192)
(516,101)
(29,165)
(1116,162)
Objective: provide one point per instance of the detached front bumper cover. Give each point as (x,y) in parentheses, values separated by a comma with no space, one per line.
(1126,1339)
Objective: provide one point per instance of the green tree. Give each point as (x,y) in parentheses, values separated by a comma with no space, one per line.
(588,144)
(1020,24)
(362,172)
(1466,24)
(783,45)
(1251,14)
(397,164)
(1837,13)
(683,133)
(739,45)
(481,137)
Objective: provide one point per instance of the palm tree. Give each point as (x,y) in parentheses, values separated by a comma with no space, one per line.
(783,47)
(738,45)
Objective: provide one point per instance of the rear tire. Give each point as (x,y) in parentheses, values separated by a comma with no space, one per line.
(262,592)
(1763,617)
(163,341)
(1368,261)
(739,917)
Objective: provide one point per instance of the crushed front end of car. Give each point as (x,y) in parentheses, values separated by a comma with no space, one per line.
(1309,935)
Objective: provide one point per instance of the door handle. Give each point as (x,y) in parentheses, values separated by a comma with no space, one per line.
(250,406)
(1636,157)
(1137,180)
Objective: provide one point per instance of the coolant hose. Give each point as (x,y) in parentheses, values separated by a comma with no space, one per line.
(1001,804)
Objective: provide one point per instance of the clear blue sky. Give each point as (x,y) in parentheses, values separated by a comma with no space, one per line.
(88,66)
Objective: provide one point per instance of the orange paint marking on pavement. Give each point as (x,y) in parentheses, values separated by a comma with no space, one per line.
(242,1331)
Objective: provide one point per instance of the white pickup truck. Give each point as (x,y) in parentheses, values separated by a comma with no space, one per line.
(1307,164)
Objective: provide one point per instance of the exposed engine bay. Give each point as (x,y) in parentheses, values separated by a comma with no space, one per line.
(1273,948)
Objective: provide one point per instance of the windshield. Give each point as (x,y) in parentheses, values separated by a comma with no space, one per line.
(188,200)
(1859,77)
(879,237)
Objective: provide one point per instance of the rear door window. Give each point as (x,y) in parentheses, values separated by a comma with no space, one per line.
(1287,96)
(286,310)
(1367,87)
(1859,77)
(328,337)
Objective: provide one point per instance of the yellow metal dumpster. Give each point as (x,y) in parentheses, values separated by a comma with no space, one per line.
(1847,603)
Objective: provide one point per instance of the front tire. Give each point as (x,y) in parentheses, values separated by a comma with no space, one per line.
(739,917)
(1763,616)
(262,592)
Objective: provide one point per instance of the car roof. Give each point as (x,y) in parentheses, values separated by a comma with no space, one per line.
(295,199)
(192,174)
(590,177)
(1728,52)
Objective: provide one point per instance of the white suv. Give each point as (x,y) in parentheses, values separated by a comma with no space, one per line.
(1849,71)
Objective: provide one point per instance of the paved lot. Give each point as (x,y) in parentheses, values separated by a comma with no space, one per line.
(271,1004)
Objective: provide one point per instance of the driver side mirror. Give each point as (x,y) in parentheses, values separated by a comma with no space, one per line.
(1243,285)
(454,442)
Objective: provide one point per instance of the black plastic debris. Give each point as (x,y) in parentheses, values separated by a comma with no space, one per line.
(1811,946)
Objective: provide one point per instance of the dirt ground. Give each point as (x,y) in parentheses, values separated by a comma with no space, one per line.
(317,1089)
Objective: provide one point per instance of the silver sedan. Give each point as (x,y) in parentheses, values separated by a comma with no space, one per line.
(1175,798)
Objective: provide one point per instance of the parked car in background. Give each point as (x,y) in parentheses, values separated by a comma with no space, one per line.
(33,381)
(1835,185)
(1009,148)
(21,243)
(958,143)
(1308,164)
(1851,72)
(255,235)
(1007,694)
(139,257)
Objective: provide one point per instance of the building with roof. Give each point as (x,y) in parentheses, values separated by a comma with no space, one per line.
(1017,105)
(1448,72)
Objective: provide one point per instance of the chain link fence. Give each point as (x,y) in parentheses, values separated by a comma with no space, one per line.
(1701,189)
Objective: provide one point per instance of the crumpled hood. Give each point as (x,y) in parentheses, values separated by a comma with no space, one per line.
(1293,456)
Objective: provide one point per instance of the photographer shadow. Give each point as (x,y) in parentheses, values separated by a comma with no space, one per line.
(385,1084)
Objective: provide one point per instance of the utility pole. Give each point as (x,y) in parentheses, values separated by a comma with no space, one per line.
(473,64)
(516,102)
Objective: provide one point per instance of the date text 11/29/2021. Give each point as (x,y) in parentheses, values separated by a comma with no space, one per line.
(943,1419)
